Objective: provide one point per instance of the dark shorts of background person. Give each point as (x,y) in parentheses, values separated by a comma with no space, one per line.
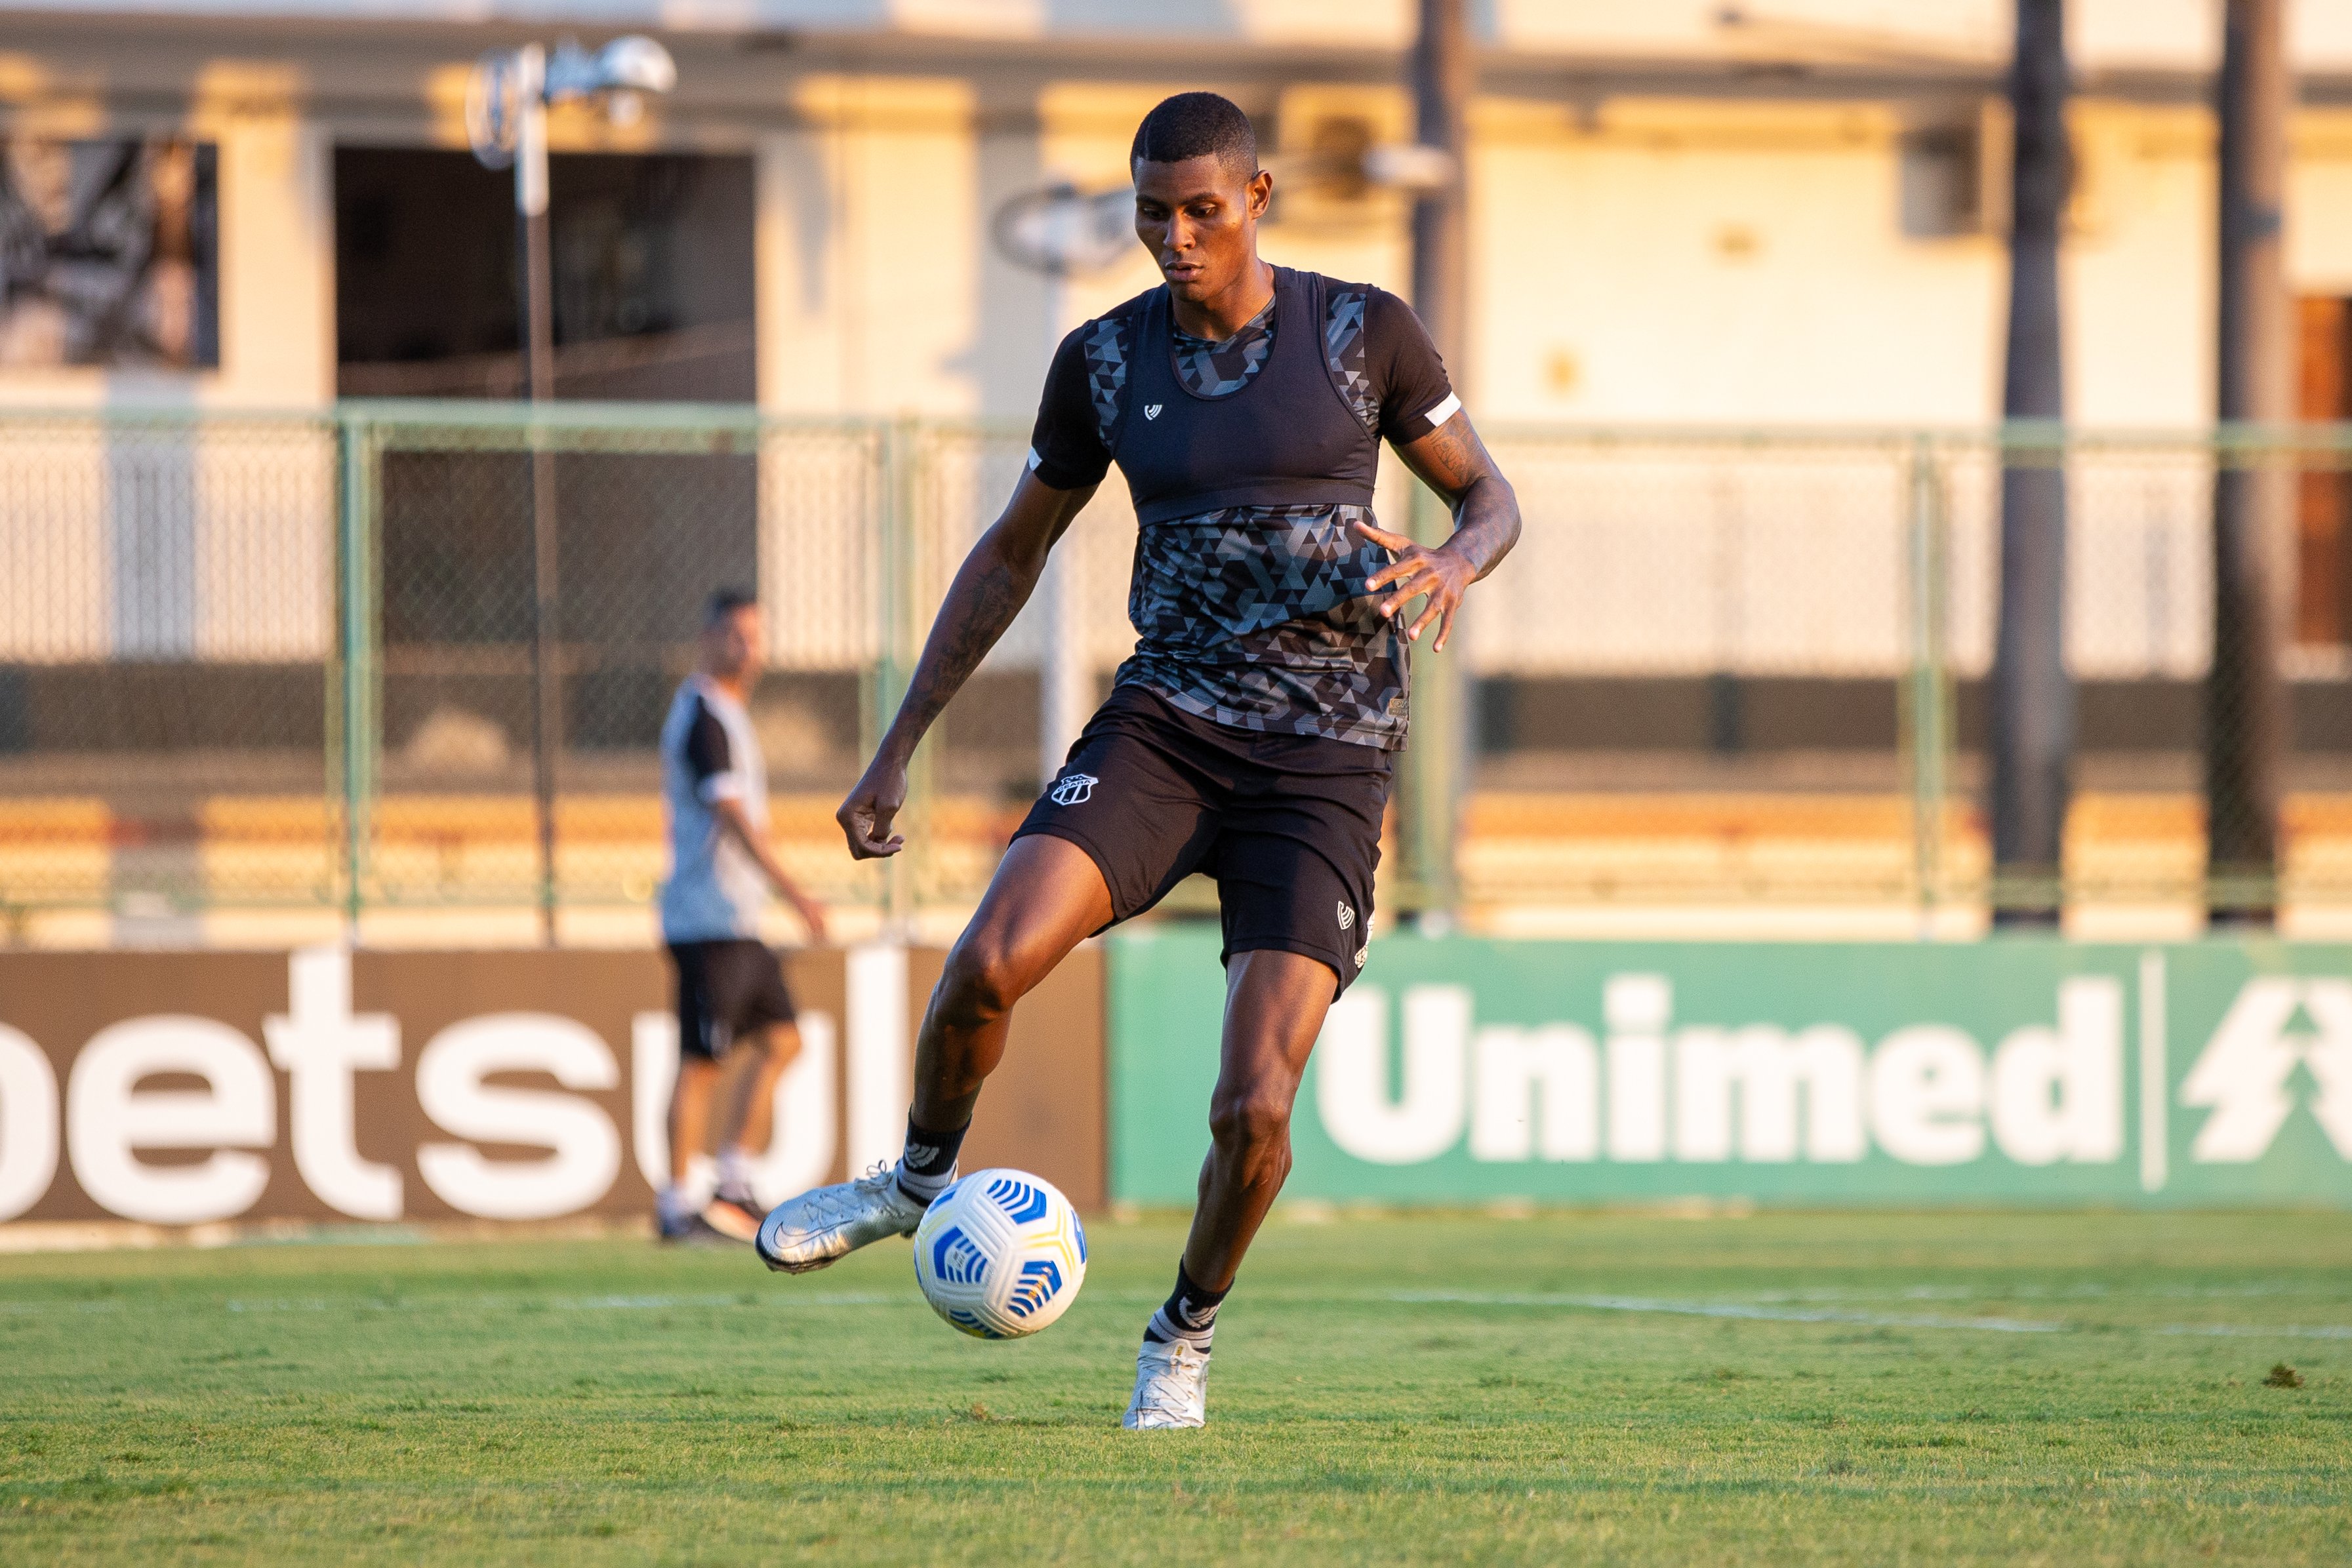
(1289,825)
(726,990)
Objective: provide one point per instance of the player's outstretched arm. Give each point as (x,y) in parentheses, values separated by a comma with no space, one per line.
(737,824)
(1452,461)
(994,582)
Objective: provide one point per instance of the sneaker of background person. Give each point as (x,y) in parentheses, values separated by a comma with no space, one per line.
(692,1230)
(734,1214)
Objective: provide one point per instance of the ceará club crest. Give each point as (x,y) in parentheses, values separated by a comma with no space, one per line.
(1074,789)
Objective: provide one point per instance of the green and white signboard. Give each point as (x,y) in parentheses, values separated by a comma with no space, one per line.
(2012,1071)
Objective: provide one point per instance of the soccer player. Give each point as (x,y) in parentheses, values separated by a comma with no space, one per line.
(730,989)
(1251,735)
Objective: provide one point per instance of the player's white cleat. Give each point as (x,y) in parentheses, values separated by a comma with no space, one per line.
(827,1223)
(1172,1387)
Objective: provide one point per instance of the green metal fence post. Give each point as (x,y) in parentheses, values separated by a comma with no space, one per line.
(356,730)
(1927,691)
(1434,761)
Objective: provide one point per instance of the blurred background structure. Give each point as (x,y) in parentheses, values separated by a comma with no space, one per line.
(1734,285)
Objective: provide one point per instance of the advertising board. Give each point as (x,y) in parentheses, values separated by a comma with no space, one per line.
(2011,1070)
(187,1089)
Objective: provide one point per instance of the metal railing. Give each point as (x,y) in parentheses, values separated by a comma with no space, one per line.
(285,661)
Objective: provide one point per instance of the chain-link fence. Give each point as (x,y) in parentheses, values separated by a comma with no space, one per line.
(417,655)
(1751,669)
(167,629)
(2169,716)
(1690,676)
(535,591)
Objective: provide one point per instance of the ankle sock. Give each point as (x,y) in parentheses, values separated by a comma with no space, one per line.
(929,1164)
(735,1175)
(1190,1313)
(674,1204)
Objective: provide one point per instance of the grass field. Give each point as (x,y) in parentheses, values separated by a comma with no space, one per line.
(1878,1389)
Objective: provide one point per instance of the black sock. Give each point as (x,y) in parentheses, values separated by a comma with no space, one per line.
(929,1164)
(1190,1313)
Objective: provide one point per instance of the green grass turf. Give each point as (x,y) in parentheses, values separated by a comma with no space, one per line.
(607,1401)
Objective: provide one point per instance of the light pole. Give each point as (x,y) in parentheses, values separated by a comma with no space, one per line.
(2033,728)
(507,101)
(1437,764)
(2245,707)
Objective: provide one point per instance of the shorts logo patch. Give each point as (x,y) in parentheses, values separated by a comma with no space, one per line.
(1151,410)
(1074,789)
(1347,916)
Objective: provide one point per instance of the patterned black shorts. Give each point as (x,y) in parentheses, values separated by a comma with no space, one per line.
(1289,825)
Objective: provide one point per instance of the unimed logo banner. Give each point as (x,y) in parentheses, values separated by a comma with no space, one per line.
(2025,1070)
(185,1089)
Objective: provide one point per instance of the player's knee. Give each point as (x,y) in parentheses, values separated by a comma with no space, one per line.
(981,983)
(1255,1118)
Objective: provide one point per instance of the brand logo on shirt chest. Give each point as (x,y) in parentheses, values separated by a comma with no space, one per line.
(1151,410)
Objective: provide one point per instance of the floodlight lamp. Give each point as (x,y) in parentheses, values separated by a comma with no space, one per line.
(1410,166)
(493,108)
(1063,232)
(635,64)
(625,67)
(572,73)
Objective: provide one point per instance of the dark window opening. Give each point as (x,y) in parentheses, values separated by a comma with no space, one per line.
(652,264)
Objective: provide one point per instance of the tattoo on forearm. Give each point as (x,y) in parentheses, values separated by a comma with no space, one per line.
(975,615)
(1448,462)
(1454,462)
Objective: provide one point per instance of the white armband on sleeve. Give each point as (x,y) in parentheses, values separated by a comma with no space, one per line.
(1447,407)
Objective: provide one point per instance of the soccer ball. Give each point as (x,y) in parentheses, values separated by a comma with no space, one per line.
(999,1254)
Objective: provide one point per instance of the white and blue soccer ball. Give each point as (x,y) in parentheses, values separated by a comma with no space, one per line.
(1001,1254)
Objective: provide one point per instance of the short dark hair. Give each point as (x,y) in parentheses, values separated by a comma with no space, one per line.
(1194,125)
(725,602)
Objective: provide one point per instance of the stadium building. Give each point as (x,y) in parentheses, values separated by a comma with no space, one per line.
(1814,186)
(1686,215)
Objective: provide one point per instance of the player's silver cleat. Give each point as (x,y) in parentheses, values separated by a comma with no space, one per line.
(1172,1387)
(827,1223)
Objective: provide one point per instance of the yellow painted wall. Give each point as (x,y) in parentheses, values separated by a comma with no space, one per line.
(1634,258)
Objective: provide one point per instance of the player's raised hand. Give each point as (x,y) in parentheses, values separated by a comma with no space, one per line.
(1418,572)
(866,815)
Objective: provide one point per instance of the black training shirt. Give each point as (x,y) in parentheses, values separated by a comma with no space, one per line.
(1257,617)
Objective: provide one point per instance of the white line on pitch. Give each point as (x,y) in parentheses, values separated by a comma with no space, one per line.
(1751,1310)
(1728,1310)
(2240,1331)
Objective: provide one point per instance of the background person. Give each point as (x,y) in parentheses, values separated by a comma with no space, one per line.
(730,988)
